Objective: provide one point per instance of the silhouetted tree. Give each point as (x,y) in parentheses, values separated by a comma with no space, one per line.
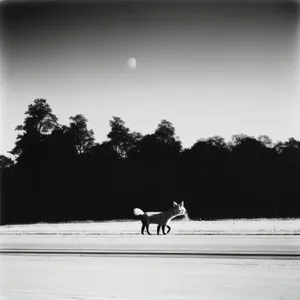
(82,137)
(217,141)
(40,120)
(165,133)
(156,167)
(120,137)
(5,162)
(254,170)
(204,177)
(265,140)
(31,155)
(62,174)
(291,147)
(6,186)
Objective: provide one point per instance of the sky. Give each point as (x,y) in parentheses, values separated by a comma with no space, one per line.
(209,67)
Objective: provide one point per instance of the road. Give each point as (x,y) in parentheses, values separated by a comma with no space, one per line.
(149,267)
(264,246)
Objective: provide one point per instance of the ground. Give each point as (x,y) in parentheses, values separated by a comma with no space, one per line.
(112,260)
(239,227)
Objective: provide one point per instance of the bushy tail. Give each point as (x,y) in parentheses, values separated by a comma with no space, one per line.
(138,212)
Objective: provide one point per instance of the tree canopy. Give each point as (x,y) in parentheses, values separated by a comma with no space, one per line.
(83,138)
(39,121)
(62,174)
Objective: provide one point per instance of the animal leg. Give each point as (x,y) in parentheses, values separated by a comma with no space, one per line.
(147,228)
(158,229)
(143,228)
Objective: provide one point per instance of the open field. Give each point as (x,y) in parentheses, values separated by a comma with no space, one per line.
(217,260)
(59,277)
(224,227)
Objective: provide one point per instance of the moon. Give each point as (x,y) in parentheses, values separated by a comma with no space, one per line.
(131,62)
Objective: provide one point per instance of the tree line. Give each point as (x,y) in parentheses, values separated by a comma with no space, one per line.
(61,173)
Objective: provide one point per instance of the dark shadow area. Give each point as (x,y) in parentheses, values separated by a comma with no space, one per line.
(62,174)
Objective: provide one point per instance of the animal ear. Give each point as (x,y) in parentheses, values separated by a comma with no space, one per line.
(175,204)
(182,203)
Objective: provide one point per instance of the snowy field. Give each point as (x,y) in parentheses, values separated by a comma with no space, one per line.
(224,227)
(32,277)
(198,260)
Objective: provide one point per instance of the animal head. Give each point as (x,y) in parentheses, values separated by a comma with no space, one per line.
(179,208)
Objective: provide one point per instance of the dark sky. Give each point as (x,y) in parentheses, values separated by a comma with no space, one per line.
(209,67)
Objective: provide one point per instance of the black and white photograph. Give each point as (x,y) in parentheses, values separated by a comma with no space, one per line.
(149,149)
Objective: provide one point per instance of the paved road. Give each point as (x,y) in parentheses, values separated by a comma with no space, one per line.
(142,267)
(258,246)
